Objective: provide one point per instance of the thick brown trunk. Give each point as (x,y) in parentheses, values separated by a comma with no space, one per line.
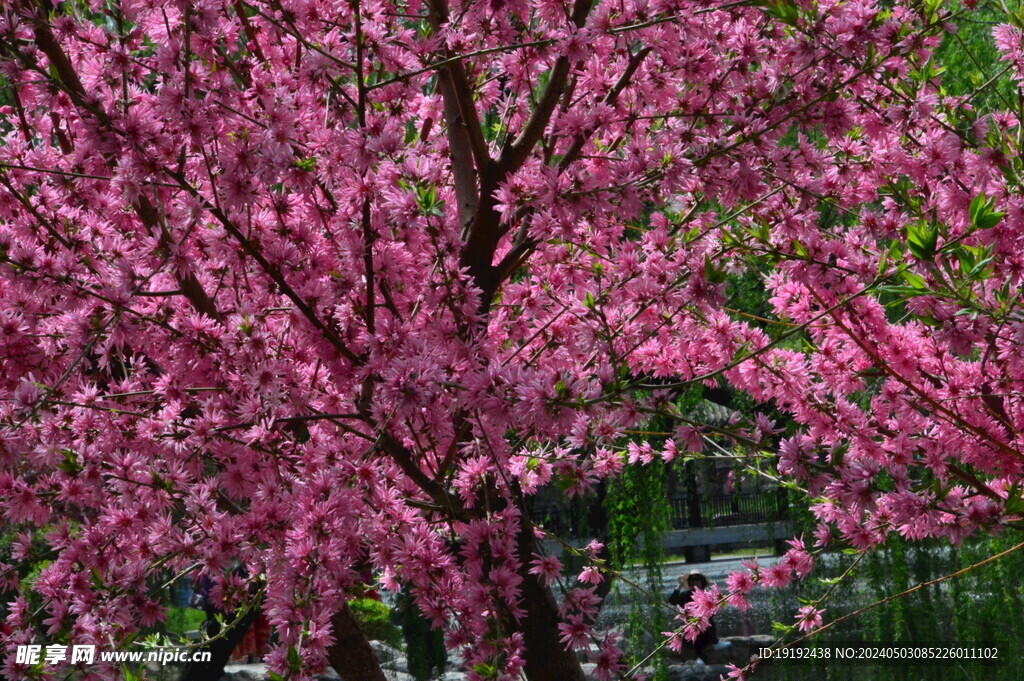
(351,655)
(546,657)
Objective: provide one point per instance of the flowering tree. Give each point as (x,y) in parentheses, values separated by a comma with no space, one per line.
(294,290)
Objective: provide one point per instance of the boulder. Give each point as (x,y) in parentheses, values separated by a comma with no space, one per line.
(454,676)
(245,672)
(740,650)
(694,671)
(384,652)
(394,675)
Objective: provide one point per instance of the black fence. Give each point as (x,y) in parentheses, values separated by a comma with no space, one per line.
(741,508)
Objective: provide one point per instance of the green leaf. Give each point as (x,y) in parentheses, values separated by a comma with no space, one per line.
(715,275)
(915,280)
(983,215)
(1016,18)
(781,628)
(426,199)
(904,291)
(70,463)
(786,12)
(487,671)
(306,164)
(560,388)
(922,238)
(1014,502)
(838,454)
(294,659)
(974,261)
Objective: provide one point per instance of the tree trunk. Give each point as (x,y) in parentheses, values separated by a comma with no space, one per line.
(220,650)
(546,657)
(351,655)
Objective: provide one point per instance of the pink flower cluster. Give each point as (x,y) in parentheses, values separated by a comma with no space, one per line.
(324,293)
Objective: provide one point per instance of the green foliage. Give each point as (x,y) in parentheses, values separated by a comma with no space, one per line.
(973,609)
(748,296)
(747,292)
(922,239)
(181,620)
(424,646)
(971,63)
(374,619)
(983,215)
(638,515)
(786,12)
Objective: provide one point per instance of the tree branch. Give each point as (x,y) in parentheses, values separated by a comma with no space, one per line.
(513,156)
(273,272)
(613,95)
(466,145)
(148,214)
(403,457)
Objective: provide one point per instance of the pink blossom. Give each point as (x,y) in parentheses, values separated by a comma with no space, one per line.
(591,575)
(704,603)
(574,632)
(778,575)
(304,317)
(548,568)
(808,618)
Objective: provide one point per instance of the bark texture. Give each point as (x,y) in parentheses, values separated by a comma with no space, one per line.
(546,657)
(351,655)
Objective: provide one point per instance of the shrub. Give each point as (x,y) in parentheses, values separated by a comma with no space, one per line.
(180,620)
(374,619)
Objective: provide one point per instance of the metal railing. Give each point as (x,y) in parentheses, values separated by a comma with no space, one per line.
(741,508)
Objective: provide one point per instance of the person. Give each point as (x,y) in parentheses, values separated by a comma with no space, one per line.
(682,595)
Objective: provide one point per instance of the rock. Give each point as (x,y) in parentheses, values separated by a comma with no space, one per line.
(398,663)
(679,672)
(589,653)
(393,675)
(245,672)
(741,649)
(724,652)
(692,671)
(258,672)
(588,669)
(454,676)
(715,672)
(384,652)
